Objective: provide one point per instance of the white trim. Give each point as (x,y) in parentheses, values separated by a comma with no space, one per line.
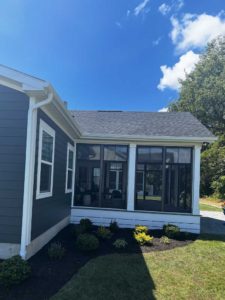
(69,148)
(143,142)
(28,177)
(138,138)
(74,173)
(45,237)
(196,179)
(131,177)
(8,250)
(49,130)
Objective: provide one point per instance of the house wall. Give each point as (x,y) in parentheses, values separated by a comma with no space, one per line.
(13,130)
(48,212)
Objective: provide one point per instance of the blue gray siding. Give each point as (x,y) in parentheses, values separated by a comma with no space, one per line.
(49,211)
(13,130)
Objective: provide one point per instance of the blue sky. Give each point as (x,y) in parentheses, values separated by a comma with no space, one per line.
(109,54)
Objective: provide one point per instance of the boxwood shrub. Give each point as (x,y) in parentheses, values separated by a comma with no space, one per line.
(171,231)
(87,242)
(86,224)
(14,270)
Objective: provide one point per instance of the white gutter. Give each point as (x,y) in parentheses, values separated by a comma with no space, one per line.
(146,138)
(29,172)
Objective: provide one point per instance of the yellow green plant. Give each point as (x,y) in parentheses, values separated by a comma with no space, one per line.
(143,239)
(141,228)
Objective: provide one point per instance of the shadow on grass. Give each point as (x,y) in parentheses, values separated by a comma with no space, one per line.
(212,226)
(119,276)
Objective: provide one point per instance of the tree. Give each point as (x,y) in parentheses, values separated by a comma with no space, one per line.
(203,94)
(203,91)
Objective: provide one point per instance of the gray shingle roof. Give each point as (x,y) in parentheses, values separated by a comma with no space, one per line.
(174,124)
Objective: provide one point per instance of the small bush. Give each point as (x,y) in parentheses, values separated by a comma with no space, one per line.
(140,229)
(104,233)
(171,231)
(114,226)
(56,251)
(78,229)
(120,244)
(87,224)
(14,270)
(143,239)
(87,242)
(165,240)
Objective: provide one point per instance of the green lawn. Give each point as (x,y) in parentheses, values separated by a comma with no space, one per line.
(209,207)
(196,271)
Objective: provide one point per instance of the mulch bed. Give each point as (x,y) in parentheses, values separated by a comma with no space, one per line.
(49,276)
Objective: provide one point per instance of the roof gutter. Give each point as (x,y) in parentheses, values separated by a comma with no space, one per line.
(48,100)
(146,138)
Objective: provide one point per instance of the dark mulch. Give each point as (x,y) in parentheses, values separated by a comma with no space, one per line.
(49,276)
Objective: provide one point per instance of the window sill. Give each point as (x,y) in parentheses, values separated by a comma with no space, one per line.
(43,195)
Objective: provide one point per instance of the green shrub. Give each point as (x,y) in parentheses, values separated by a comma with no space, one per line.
(114,226)
(143,239)
(87,242)
(171,231)
(165,240)
(120,244)
(78,229)
(141,228)
(56,251)
(14,270)
(104,233)
(87,224)
(219,187)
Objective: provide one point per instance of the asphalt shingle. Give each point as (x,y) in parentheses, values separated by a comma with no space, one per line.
(174,124)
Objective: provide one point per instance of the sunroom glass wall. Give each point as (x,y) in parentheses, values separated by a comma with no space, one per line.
(101,176)
(149,172)
(163,179)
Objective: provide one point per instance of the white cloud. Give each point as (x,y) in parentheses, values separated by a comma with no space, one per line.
(175,6)
(195,31)
(171,75)
(164,9)
(141,8)
(179,4)
(118,24)
(157,41)
(164,109)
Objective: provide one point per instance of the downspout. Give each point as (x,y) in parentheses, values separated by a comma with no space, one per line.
(29,172)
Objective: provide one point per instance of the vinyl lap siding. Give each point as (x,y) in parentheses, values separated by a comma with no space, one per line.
(47,212)
(13,130)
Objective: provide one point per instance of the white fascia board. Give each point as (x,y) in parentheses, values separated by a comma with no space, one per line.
(133,138)
(35,87)
(22,78)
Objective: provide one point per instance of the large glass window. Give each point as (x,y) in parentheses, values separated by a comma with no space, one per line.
(45,161)
(101,176)
(163,179)
(178,177)
(87,188)
(149,178)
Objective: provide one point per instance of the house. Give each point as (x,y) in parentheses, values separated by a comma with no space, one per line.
(58,166)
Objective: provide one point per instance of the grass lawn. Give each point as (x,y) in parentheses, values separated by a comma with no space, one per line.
(196,271)
(209,207)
